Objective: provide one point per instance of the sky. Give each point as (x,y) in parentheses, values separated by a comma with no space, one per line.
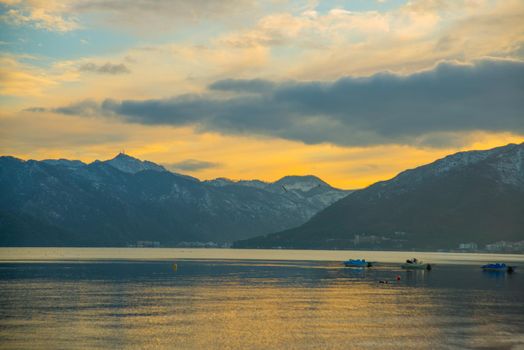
(351,91)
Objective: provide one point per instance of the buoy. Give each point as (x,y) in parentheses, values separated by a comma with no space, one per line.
(175,267)
(398,277)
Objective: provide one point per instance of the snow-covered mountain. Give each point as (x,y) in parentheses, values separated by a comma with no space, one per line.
(475,196)
(297,183)
(124,200)
(505,165)
(311,191)
(222,181)
(128,164)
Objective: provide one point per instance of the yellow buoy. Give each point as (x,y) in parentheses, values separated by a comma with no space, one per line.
(175,267)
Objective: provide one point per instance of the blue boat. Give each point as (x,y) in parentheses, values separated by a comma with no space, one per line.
(498,267)
(357,263)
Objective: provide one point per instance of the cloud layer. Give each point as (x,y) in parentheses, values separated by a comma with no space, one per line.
(62,15)
(107,68)
(430,107)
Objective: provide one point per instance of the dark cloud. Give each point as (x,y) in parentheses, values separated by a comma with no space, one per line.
(242,85)
(107,68)
(192,165)
(428,108)
(86,108)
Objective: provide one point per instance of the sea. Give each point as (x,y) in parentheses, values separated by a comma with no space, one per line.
(155,298)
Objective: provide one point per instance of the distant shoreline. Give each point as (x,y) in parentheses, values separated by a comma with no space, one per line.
(60,254)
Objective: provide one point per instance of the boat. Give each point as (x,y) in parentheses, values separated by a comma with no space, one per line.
(357,263)
(414,264)
(500,267)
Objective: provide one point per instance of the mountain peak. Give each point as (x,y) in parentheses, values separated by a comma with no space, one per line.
(122,155)
(301,182)
(129,164)
(505,161)
(220,182)
(300,177)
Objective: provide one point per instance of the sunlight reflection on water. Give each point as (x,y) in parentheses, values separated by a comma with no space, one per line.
(249,304)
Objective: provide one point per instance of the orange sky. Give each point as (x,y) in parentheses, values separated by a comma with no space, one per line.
(54,54)
(237,157)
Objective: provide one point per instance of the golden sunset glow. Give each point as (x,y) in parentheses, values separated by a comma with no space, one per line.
(85,82)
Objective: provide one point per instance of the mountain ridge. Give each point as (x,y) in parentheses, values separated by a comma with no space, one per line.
(475,196)
(101,203)
(128,164)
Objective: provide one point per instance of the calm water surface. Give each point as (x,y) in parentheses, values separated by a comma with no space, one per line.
(260,304)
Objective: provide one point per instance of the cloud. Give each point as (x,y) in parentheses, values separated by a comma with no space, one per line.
(63,15)
(405,38)
(423,108)
(22,79)
(192,165)
(85,108)
(134,9)
(42,15)
(107,68)
(243,85)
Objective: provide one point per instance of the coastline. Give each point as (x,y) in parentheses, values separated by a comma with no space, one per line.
(56,254)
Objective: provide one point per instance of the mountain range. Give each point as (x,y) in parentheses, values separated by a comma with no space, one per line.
(475,196)
(123,200)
